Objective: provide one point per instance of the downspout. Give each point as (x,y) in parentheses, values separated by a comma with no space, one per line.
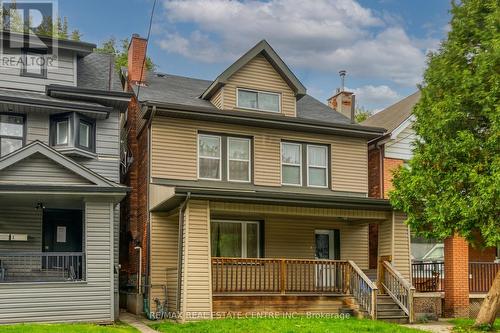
(180,248)
(139,272)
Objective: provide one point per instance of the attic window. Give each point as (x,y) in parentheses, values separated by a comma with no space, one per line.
(34,64)
(259,100)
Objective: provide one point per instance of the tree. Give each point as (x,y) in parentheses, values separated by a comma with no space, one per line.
(121,54)
(452,184)
(361,114)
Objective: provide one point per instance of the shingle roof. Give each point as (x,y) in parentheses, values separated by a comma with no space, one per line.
(97,71)
(166,88)
(393,116)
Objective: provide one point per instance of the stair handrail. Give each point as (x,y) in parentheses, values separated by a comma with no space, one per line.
(398,288)
(363,289)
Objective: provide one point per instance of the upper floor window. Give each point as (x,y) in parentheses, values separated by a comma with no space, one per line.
(303,163)
(34,64)
(259,100)
(224,158)
(11,133)
(73,130)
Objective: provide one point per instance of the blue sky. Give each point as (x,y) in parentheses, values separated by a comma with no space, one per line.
(381,43)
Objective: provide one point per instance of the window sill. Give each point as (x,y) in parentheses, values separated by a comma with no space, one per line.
(75,152)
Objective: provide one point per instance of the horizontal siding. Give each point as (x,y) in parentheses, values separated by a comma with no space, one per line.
(401,147)
(197,280)
(385,238)
(38,169)
(164,240)
(174,147)
(217,99)
(63,72)
(21,220)
(259,74)
(401,258)
(89,301)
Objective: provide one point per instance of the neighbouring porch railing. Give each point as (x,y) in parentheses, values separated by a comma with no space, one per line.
(428,276)
(481,276)
(293,276)
(42,266)
(400,290)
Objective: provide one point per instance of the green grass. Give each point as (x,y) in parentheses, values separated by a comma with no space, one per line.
(463,325)
(67,328)
(283,325)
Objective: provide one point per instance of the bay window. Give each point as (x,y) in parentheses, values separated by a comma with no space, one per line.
(72,131)
(238,239)
(11,133)
(225,158)
(304,164)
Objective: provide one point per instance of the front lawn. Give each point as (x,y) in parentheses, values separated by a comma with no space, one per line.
(67,328)
(283,325)
(465,326)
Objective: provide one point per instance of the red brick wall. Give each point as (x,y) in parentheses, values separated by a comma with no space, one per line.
(136,55)
(456,277)
(482,255)
(390,164)
(374,183)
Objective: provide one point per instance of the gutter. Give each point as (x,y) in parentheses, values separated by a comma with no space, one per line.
(180,246)
(121,95)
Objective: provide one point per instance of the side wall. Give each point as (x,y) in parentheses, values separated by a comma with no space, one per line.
(402,146)
(92,300)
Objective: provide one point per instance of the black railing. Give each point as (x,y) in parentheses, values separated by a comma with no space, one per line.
(428,276)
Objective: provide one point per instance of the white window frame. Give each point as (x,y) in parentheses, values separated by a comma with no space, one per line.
(89,129)
(258,91)
(209,157)
(229,138)
(317,166)
(243,235)
(67,121)
(290,164)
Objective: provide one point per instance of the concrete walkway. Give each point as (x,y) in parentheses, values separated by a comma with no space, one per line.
(136,321)
(435,327)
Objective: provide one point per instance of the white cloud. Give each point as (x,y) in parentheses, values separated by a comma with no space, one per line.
(323,35)
(375,97)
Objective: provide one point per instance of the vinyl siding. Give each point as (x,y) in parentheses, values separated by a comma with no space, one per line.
(21,220)
(67,301)
(164,260)
(38,170)
(218,99)
(174,149)
(401,257)
(402,146)
(63,72)
(259,74)
(197,293)
(385,238)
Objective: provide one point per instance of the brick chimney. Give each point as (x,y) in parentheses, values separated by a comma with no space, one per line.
(136,55)
(343,101)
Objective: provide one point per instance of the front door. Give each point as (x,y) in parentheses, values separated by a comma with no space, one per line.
(327,247)
(62,230)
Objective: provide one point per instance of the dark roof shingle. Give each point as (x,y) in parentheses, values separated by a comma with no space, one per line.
(97,71)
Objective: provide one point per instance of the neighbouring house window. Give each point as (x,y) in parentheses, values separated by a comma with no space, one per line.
(239,239)
(238,159)
(291,163)
(259,100)
(223,157)
(73,130)
(11,133)
(317,166)
(34,64)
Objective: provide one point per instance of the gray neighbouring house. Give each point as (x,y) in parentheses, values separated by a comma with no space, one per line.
(59,184)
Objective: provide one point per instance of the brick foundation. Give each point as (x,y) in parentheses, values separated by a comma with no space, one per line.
(456,277)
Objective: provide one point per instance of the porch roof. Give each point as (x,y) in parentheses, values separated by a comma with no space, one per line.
(180,193)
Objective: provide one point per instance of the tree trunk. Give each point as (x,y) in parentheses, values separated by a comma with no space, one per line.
(491,304)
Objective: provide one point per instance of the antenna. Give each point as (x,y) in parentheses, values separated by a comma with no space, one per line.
(342,74)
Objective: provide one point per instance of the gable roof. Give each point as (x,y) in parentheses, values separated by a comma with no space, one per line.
(393,116)
(274,59)
(39,148)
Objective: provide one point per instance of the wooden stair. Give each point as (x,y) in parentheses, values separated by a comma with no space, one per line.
(388,310)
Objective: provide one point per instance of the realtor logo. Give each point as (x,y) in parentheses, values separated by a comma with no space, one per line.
(27,30)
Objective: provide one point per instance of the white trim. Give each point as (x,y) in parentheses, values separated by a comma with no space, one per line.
(317,166)
(65,120)
(290,164)
(262,92)
(243,223)
(228,159)
(209,157)
(331,241)
(408,121)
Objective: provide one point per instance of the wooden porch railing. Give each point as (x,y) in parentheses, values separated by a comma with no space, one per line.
(400,290)
(481,276)
(293,276)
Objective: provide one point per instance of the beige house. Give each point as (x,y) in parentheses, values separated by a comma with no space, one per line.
(251,196)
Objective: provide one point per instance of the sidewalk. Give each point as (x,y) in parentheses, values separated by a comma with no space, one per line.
(136,321)
(435,327)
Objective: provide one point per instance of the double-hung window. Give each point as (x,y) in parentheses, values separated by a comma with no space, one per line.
(238,239)
(222,157)
(11,133)
(304,164)
(259,100)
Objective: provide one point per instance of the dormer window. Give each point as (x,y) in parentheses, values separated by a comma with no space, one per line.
(34,64)
(259,100)
(73,133)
